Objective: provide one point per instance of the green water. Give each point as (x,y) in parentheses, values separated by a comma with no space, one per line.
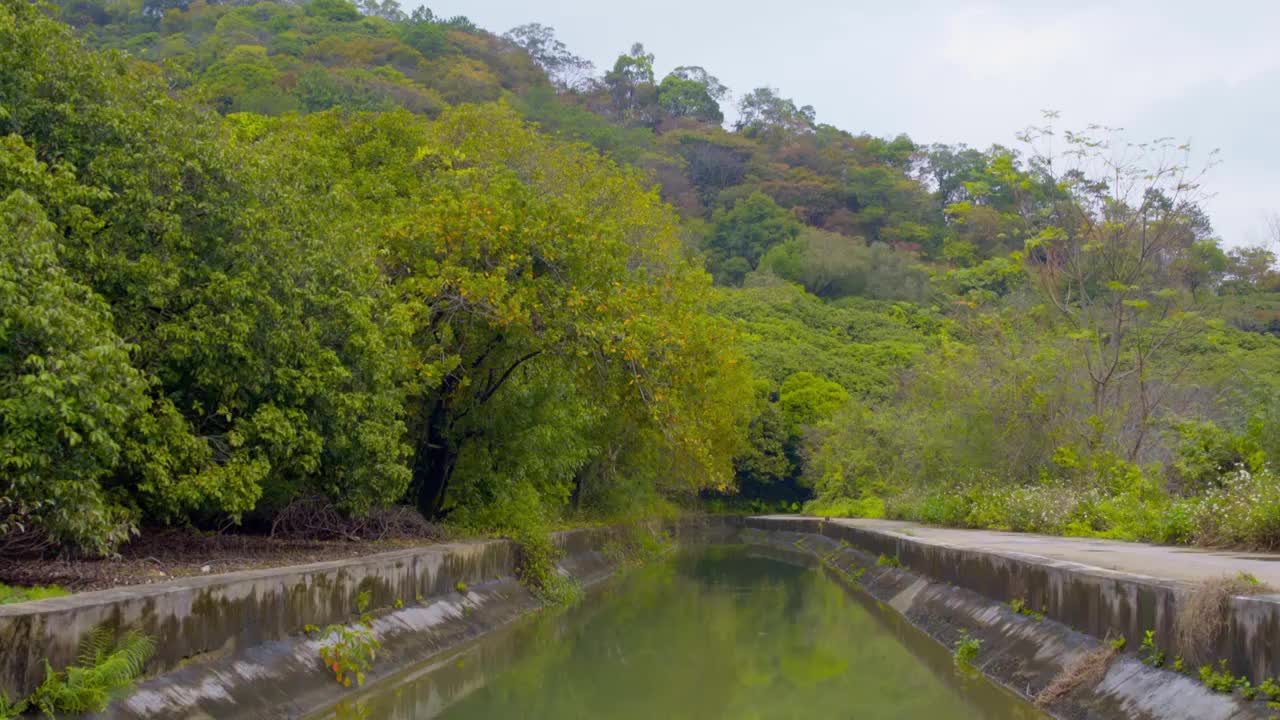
(712,633)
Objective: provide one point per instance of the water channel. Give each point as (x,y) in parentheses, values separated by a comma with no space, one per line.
(708,633)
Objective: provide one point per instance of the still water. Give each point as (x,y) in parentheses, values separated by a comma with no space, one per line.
(708,633)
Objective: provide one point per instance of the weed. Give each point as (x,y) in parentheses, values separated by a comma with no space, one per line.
(858,573)
(894,562)
(1218,679)
(418,597)
(8,710)
(537,567)
(461,587)
(1269,689)
(349,651)
(1202,614)
(399,604)
(1118,644)
(1179,665)
(104,668)
(1151,653)
(967,648)
(1019,606)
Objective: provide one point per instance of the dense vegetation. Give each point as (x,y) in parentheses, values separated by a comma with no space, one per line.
(280,250)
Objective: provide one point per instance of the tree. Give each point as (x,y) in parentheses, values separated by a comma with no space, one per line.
(689,91)
(550,310)
(423,32)
(388,10)
(744,232)
(564,68)
(68,392)
(1124,217)
(763,114)
(631,88)
(832,266)
(252,317)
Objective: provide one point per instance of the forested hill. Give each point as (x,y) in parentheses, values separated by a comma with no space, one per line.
(382,257)
(777,170)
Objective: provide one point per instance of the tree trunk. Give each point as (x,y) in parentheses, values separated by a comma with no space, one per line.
(433,462)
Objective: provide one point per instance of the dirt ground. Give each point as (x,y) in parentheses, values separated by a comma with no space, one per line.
(160,555)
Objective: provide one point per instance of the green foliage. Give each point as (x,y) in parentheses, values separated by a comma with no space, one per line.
(833,266)
(1151,653)
(410,294)
(349,651)
(743,233)
(68,392)
(865,507)
(637,544)
(966,648)
(1219,678)
(461,587)
(12,594)
(1019,606)
(886,561)
(358,307)
(1118,643)
(106,666)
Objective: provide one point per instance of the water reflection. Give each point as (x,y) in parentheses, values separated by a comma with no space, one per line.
(711,633)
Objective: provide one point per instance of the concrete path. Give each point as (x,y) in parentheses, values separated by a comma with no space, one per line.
(1160,561)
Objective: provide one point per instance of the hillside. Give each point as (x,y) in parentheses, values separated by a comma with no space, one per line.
(345,251)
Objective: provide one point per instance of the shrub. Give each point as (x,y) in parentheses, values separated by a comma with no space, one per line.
(863,507)
(1243,510)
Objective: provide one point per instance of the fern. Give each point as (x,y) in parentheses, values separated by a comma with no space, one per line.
(10,711)
(104,669)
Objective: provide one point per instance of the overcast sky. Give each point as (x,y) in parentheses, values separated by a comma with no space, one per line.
(975,72)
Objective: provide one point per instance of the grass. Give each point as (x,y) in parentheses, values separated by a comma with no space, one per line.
(1088,669)
(15,594)
(1203,615)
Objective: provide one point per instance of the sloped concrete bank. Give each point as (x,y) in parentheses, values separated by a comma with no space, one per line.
(944,590)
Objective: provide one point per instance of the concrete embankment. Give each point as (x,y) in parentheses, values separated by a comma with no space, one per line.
(233,645)
(946,591)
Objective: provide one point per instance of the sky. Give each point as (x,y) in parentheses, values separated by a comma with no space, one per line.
(976,73)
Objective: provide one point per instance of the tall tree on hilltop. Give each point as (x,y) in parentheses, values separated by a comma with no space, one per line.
(564,68)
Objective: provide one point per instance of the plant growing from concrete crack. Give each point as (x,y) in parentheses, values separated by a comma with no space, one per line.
(349,651)
(461,587)
(1019,606)
(1151,653)
(966,649)
(105,667)
(894,562)
(1219,678)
